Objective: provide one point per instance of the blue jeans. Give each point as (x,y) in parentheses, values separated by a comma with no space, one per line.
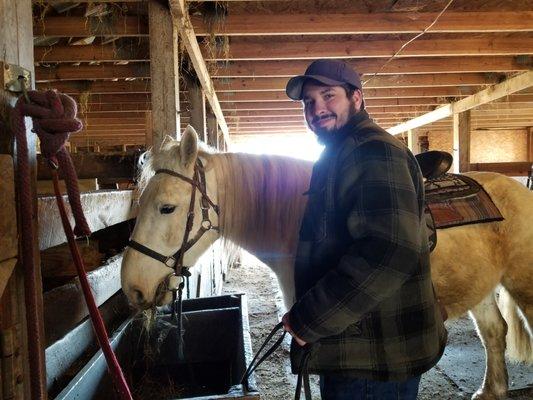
(342,388)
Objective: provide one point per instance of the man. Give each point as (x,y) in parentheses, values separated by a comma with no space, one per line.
(365,301)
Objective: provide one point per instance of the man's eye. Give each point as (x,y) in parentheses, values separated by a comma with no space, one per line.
(167,209)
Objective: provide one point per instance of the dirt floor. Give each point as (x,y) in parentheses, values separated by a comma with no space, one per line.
(275,381)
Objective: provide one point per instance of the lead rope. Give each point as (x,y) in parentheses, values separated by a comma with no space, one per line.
(54,118)
(303,375)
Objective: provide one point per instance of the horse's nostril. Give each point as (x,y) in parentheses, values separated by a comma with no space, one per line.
(138,296)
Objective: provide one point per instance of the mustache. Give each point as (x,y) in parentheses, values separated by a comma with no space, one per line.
(320,117)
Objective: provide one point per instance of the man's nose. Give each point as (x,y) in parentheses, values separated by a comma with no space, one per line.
(320,108)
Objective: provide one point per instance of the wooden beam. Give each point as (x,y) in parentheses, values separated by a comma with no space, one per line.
(143,86)
(66,72)
(112,25)
(102,53)
(212,131)
(530,143)
(164,70)
(406,65)
(388,81)
(461,141)
(182,20)
(413,142)
(248,49)
(149,135)
(90,98)
(8,212)
(382,93)
(506,168)
(124,107)
(374,23)
(116,114)
(88,166)
(109,140)
(196,99)
(97,87)
(393,104)
(114,121)
(492,93)
(22,366)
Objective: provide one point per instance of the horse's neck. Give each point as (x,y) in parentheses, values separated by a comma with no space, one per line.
(261,202)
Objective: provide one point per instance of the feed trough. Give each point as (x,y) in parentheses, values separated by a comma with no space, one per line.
(217,350)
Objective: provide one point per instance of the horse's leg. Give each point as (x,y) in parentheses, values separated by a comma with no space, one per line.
(517,309)
(492,329)
(284,270)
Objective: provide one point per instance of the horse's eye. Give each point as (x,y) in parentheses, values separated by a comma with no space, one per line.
(167,209)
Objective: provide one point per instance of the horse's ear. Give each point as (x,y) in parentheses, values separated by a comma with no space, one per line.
(188,147)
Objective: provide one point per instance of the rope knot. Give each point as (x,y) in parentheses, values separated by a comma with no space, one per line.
(54,119)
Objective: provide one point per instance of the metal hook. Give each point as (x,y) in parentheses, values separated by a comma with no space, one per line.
(22,80)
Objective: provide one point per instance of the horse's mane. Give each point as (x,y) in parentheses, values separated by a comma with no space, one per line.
(261,200)
(260,197)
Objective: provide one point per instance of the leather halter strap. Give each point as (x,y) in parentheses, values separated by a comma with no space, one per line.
(175,261)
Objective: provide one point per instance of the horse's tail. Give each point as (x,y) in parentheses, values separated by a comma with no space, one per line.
(519,330)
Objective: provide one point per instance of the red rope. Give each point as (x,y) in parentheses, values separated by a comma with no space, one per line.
(54,118)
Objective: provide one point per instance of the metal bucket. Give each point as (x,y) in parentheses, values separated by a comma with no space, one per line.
(217,350)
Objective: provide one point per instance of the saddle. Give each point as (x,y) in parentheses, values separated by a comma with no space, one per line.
(452,199)
(434,163)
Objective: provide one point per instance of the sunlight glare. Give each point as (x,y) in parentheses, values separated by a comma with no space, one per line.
(298,145)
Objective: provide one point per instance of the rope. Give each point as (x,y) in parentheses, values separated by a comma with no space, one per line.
(54,118)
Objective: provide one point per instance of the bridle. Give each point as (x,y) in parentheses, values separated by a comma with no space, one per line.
(175,261)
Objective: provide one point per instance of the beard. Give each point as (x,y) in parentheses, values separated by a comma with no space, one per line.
(328,135)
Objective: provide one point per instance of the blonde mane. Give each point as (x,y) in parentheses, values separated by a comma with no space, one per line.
(261,201)
(266,190)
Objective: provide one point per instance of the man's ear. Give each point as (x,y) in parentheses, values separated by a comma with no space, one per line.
(357,98)
(188,147)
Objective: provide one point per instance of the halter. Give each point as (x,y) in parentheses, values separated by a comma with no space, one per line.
(175,261)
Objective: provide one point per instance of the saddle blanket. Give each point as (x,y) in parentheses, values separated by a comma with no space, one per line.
(455,200)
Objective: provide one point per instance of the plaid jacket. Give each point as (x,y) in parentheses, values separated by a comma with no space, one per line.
(363,285)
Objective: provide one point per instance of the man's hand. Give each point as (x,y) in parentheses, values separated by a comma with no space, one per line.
(287,327)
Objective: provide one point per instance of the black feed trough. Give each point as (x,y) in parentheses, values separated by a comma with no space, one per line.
(217,350)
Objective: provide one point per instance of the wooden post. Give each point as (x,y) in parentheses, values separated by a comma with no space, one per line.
(16,48)
(212,130)
(164,74)
(149,137)
(461,142)
(197,105)
(412,141)
(530,144)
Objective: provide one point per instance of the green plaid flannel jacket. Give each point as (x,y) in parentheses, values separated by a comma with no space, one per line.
(364,294)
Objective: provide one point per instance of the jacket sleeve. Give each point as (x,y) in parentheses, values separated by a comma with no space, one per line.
(377,190)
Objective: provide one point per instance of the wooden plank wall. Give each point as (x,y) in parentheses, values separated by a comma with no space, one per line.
(16,47)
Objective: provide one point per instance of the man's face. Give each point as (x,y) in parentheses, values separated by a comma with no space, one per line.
(327,108)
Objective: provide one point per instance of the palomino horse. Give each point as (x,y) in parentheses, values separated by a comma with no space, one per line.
(261,205)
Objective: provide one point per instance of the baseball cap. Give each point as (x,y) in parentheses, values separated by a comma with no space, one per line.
(327,71)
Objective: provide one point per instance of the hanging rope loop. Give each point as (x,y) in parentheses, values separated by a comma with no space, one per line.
(54,120)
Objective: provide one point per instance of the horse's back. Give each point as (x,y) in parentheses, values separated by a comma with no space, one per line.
(471,260)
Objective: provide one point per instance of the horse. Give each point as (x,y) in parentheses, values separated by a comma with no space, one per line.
(485,269)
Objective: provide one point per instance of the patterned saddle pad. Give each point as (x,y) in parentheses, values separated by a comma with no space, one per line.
(455,200)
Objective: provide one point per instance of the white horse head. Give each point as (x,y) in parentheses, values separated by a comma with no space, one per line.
(163,209)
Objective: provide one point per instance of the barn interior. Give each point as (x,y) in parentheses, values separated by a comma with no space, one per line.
(450,75)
